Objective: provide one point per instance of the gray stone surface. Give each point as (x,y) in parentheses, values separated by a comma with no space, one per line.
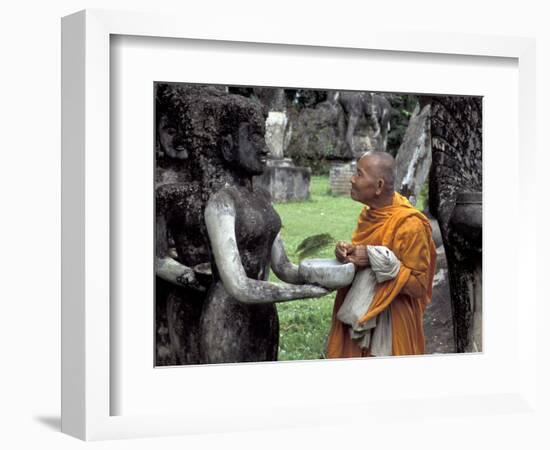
(340,175)
(328,273)
(284,181)
(456,128)
(315,135)
(414,157)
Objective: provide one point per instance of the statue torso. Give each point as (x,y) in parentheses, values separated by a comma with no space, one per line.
(256,226)
(183,209)
(232,331)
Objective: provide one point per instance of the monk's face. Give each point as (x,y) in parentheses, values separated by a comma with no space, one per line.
(366,185)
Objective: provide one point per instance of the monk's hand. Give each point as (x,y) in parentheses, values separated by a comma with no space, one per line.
(359,256)
(343,250)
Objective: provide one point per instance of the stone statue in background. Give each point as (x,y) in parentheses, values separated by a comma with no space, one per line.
(278,129)
(372,109)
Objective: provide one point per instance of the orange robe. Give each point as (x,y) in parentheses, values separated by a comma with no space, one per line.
(407,232)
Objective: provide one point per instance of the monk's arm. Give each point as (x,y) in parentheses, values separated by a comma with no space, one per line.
(414,288)
(414,252)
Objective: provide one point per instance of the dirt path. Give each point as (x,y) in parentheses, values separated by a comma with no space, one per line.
(438,323)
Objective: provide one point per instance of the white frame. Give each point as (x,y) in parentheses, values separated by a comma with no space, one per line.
(85,203)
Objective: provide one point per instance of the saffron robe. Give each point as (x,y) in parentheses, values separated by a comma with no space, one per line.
(408,233)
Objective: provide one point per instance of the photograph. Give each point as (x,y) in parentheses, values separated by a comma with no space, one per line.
(300,224)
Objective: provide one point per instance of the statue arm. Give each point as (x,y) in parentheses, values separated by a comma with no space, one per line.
(220,222)
(167,267)
(281,265)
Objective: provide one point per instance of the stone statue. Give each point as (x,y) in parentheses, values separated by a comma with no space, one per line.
(456,180)
(373,108)
(239,321)
(182,253)
(214,216)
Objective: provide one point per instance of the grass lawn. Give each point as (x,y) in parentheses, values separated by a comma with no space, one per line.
(305,323)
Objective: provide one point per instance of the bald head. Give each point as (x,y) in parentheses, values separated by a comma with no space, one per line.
(373,182)
(380,164)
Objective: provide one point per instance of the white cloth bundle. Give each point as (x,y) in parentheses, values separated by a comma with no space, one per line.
(383,262)
(375,333)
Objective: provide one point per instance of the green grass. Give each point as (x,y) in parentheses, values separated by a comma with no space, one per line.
(305,324)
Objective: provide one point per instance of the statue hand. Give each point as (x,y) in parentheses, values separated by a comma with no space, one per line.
(175,272)
(188,278)
(315,290)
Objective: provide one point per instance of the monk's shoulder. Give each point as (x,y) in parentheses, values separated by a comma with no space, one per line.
(417,220)
(413,225)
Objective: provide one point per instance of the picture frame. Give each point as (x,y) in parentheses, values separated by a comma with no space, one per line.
(88,328)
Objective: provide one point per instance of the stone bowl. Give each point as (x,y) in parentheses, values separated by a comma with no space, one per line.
(328,273)
(203,272)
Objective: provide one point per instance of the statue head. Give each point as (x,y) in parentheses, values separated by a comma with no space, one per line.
(210,129)
(245,151)
(170,118)
(241,146)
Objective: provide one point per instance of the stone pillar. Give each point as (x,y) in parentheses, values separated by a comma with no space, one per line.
(284,181)
(281,178)
(414,157)
(339,177)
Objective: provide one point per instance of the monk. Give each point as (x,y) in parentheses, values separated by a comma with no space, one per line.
(391,223)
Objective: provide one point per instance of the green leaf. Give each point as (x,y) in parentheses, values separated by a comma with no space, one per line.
(312,245)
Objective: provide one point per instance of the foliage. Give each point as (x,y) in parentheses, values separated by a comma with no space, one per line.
(422,201)
(402,109)
(305,98)
(312,245)
(304,324)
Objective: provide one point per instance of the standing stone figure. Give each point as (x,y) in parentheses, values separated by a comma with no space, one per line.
(181,243)
(373,108)
(239,321)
